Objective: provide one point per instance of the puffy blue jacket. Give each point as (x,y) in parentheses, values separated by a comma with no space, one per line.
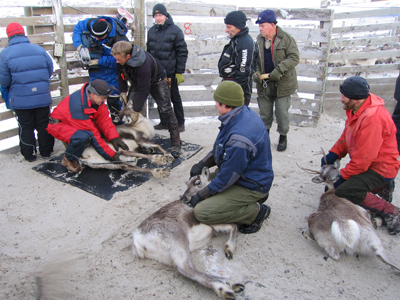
(107,63)
(26,69)
(242,152)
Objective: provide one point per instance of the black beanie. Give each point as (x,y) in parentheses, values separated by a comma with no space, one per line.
(160,8)
(355,87)
(100,27)
(236,18)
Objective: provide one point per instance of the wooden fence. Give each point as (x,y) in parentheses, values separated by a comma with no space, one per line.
(315,30)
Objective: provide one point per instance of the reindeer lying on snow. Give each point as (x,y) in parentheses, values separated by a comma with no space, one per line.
(172,232)
(134,135)
(342,226)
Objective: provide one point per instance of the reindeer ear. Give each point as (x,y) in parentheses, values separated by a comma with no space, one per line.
(205,172)
(336,164)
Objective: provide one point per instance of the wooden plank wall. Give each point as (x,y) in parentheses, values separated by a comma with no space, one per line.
(364,43)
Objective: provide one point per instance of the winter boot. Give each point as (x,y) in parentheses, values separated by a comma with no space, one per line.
(282,144)
(263,214)
(386,210)
(175,142)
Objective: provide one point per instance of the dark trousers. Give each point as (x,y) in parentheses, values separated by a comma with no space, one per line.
(356,187)
(80,140)
(176,101)
(396,120)
(28,121)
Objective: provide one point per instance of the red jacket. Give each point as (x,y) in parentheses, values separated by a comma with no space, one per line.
(369,137)
(77,112)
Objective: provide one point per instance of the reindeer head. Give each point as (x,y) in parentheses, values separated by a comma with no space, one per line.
(195,184)
(125,113)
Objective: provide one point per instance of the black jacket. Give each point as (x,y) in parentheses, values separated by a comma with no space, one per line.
(140,70)
(238,60)
(167,45)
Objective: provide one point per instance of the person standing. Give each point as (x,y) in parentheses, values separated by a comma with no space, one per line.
(369,137)
(166,43)
(276,77)
(146,76)
(96,36)
(25,70)
(242,153)
(239,57)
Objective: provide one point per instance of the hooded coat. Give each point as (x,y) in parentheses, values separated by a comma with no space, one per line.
(107,63)
(25,70)
(166,43)
(369,137)
(141,70)
(285,57)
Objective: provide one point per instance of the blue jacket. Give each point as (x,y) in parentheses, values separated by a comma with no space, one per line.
(26,69)
(107,63)
(242,152)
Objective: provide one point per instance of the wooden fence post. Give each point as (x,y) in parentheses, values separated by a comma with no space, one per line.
(140,13)
(62,61)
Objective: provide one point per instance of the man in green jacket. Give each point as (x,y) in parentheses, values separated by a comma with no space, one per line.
(276,76)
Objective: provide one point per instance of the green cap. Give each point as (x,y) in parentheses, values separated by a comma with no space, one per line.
(229,93)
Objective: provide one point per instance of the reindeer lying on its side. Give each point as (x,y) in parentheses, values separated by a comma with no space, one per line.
(134,135)
(172,232)
(342,226)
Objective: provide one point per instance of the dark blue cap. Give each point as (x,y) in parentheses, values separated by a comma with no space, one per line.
(266,16)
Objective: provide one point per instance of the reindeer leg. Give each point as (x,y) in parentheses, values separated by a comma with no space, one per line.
(157,173)
(231,243)
(156,158)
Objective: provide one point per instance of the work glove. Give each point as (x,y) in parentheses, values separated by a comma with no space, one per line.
(118,142)
(115,157)
(123,98)
(197,168)
(275,75)
(339,182)
(330,159)
(179,78)
(194,201)
(93,62)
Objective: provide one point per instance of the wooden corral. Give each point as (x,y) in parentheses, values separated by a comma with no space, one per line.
(323,39)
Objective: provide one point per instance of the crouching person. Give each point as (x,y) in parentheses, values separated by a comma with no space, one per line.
(80,120)
(242,152)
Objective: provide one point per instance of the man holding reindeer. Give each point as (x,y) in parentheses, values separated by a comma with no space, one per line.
(242,152)
(369,137)
(80,120)
(146,76)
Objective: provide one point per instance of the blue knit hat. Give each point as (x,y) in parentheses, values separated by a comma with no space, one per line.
(266,16)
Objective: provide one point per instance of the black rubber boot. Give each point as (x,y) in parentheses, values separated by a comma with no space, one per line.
(261,217)
(282,144)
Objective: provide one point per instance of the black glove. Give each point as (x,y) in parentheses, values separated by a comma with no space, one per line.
(330,158)
(118,142)
(194,201)
(339,182)
(115,157)
(197,168)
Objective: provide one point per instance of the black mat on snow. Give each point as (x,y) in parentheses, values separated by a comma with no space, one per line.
(104,183)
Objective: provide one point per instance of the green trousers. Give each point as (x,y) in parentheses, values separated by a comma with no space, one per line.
(234,205)
(356,187)
(266,101)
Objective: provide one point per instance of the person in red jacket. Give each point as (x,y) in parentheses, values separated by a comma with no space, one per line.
(80,120)
(369,137)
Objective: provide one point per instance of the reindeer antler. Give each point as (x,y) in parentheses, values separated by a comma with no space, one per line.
(309,171)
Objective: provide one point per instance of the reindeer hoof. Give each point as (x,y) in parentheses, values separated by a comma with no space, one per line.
(228,252)
(159,159)
(377,222)
(238,287)
(160,173)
